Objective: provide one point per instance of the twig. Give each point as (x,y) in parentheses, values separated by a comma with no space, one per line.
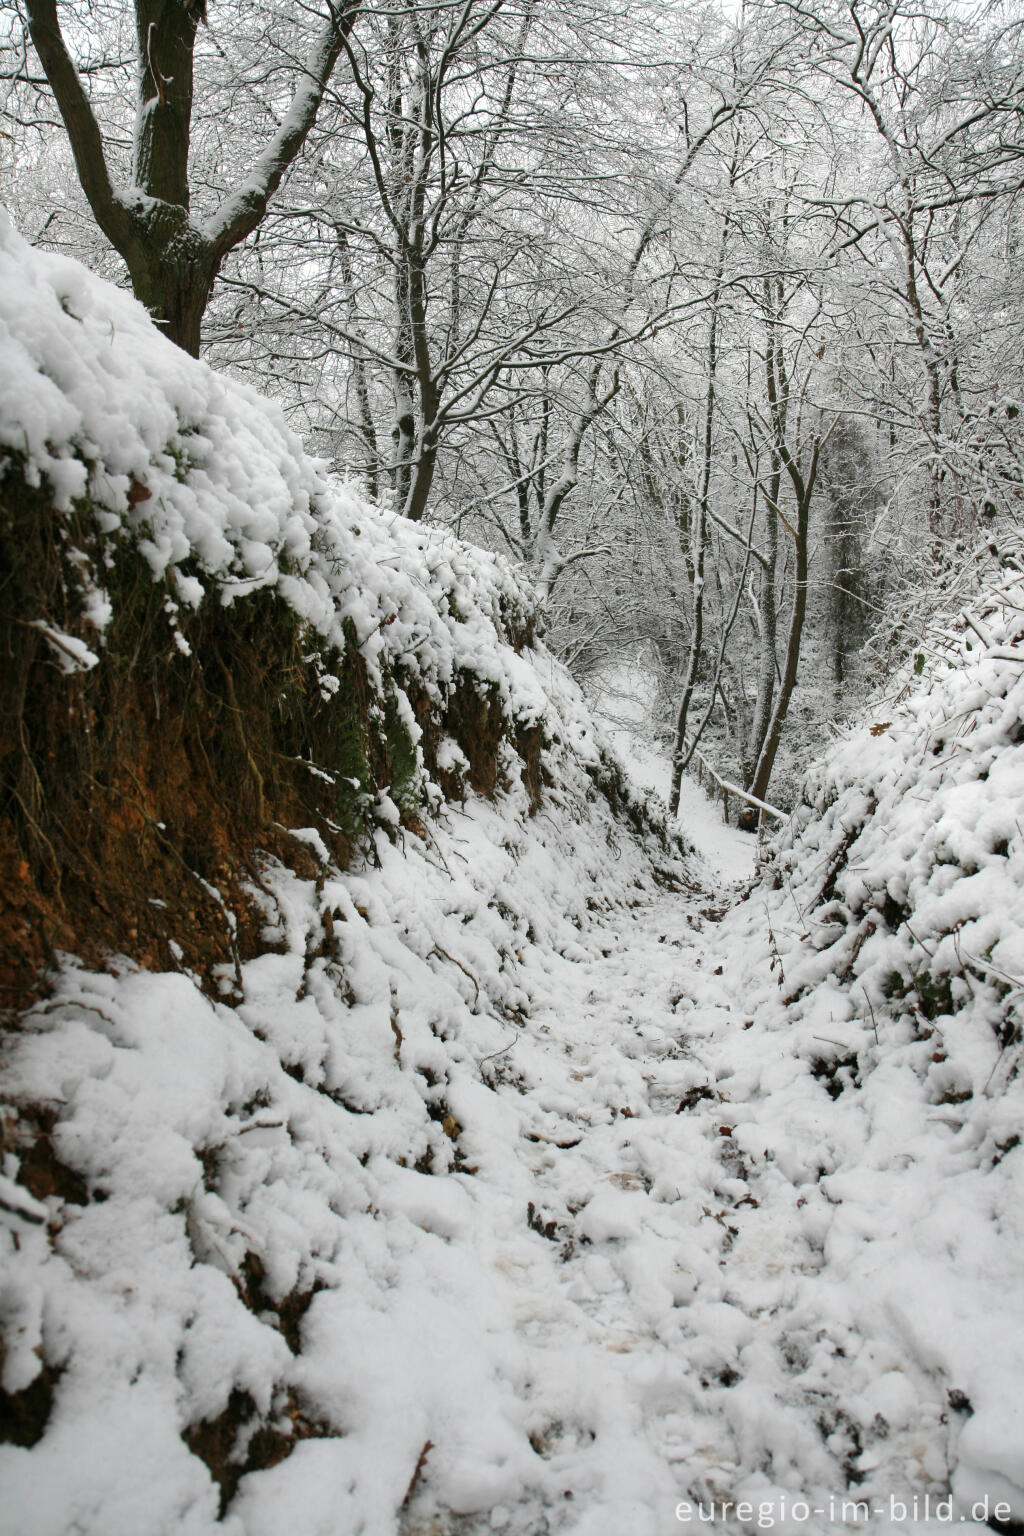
(439,951)
(550,1141)
(874,1021)
(921,945)
(979,629)
(421,1462)
(776,957)
(993,970)
(504,1052)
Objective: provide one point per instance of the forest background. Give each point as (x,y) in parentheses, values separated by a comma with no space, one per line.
(708,317)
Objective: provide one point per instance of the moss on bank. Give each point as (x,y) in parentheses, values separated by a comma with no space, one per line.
(139,794)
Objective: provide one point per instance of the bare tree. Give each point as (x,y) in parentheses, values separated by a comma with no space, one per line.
(941,93)
(173,259)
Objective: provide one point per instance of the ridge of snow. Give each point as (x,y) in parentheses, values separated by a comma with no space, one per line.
(906,857)
(204,476)
(898,945)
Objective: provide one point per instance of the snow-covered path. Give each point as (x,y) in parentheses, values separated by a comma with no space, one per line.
(577,1222)
(688,1339)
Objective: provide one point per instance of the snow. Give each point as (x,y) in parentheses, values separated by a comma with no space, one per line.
(622,696)
(70,653)
(695,1293)
(737,1298)
(205,478)
(519,1186)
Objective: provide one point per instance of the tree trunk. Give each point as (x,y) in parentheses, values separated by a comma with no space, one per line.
(804,490)
(172,271)
(699,536)
(766,760)
(367,426)
(166,32)
(422,479)
(767,623)
(173,262)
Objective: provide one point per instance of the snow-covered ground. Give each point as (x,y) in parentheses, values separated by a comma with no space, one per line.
(543,1154)
(623,700)
(557,1174)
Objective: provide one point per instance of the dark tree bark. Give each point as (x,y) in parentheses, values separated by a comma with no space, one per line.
(680,756)
(767,624)
(803,492)
(173,261)
(367,426)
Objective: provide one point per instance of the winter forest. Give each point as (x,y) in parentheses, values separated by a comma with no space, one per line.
(511,767)
(709,320)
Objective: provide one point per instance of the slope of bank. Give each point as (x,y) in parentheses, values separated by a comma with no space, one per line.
(209,642)
(895,933)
